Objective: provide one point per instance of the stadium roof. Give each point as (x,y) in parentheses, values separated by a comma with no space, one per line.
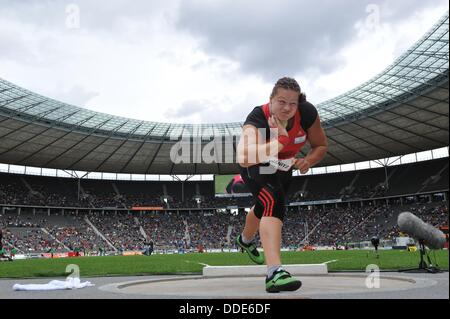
(402,110)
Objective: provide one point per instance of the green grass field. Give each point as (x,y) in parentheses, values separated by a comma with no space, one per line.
(190,263)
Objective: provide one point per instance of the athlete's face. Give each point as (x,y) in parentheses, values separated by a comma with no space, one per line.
(284,104)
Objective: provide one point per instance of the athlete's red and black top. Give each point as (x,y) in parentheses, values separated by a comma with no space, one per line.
(304,118)
(269,190)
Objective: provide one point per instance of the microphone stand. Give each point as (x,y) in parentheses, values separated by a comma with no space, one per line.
(423,266)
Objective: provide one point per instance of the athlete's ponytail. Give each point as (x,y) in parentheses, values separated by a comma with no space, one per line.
(302,98)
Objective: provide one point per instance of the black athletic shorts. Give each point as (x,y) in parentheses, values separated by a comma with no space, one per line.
(269,190)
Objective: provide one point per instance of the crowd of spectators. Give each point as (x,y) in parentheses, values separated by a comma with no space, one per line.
(315,225)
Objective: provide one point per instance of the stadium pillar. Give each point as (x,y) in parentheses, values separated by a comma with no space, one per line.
(445,196)
(3,210)
(182,191)
(430,198)
(387,202)
(18,211)
(401,201)
(386,181)
(62,212)
(78,191)
(34,211)
(48,211)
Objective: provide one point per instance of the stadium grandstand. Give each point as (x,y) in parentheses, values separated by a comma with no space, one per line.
(115,185)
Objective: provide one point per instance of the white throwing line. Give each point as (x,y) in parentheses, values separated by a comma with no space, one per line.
(331,261)
(197,263)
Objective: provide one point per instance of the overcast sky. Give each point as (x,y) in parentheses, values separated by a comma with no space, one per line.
(201,61)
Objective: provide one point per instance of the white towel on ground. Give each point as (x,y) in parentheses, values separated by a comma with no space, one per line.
(69,283)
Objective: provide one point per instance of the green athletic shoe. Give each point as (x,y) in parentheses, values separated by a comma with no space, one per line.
(251,250)
(281,280)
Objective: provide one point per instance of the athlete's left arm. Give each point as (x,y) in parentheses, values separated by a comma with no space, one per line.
(319,147)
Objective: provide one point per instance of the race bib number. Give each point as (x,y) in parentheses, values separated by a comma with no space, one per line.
(282,165)
(300,139)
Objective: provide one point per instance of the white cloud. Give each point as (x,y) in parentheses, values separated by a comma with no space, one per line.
(135,61)
(372,51)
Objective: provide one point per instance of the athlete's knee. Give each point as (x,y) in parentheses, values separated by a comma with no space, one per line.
(277,216)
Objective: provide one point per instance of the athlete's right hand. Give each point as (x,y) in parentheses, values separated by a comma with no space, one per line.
(275,124)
